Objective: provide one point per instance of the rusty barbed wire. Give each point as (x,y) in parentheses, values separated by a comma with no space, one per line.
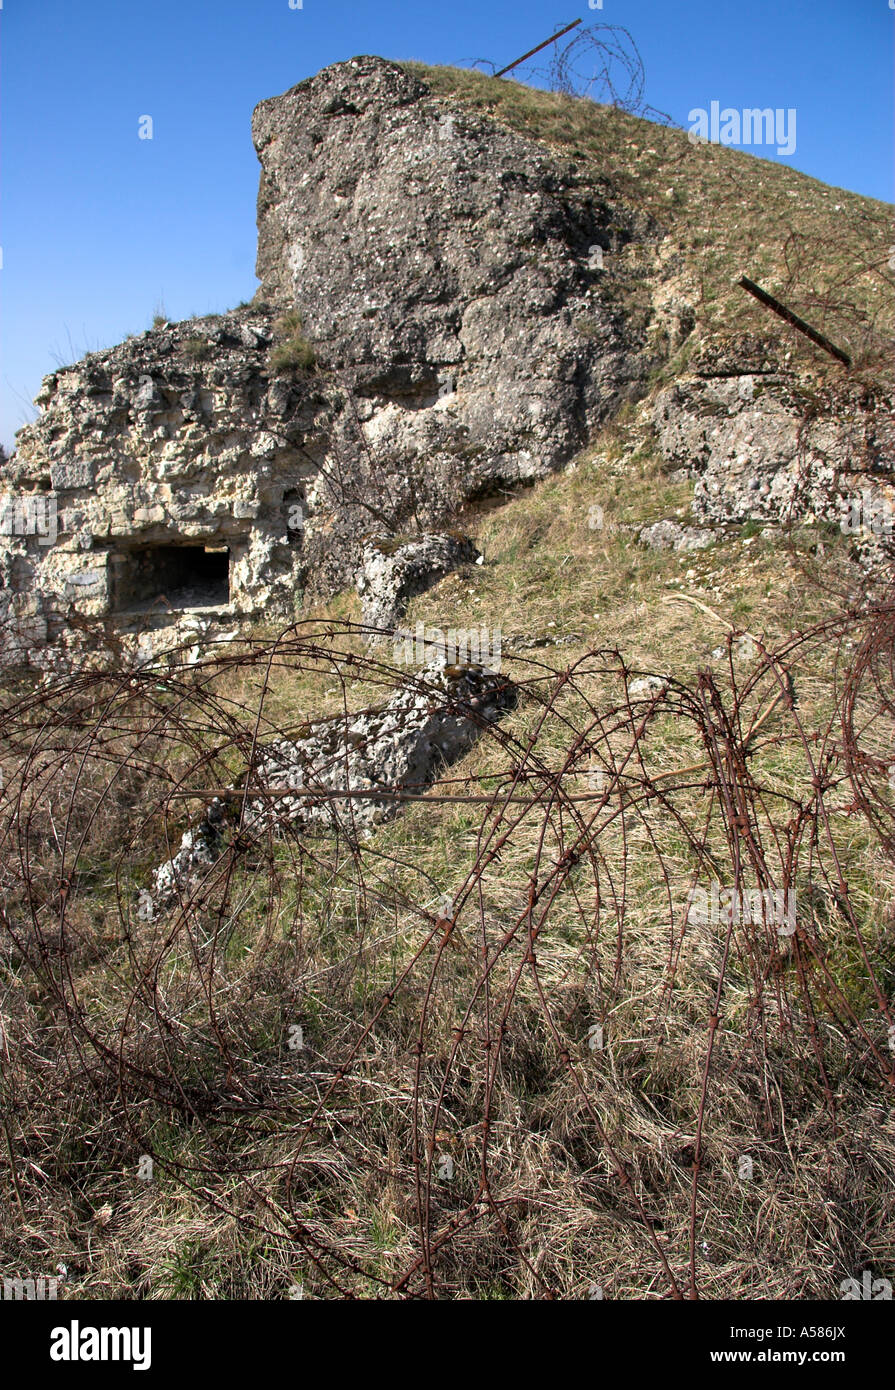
(418,984)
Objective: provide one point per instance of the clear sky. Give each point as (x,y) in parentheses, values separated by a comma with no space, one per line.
(100,229)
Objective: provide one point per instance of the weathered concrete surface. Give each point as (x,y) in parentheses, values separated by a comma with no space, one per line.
(461,336)
(395,569)
(765,442)
(433,718)
(179,437)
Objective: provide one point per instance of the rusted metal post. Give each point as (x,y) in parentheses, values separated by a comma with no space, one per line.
(816,337)
(533,51)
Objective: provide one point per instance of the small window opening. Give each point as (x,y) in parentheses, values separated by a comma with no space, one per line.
(172,576)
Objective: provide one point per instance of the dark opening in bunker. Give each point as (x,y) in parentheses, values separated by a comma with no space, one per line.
(172,576)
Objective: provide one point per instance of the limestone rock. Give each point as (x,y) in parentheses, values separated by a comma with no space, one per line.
(442,266)
(670,535)
(774,445)
(394,570)
(648,687)
(200,849)
(432,719)
(440,273)
(153,443)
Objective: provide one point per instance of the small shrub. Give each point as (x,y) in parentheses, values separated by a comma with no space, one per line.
(196,348)
(288,325)
(297,352)
(294,351)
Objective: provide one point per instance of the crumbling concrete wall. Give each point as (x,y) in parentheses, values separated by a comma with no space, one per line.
(763,441)
(462,336)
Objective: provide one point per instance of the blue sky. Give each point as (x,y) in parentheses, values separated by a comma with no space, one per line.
(99,228)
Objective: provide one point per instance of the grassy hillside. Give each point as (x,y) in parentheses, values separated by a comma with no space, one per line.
(823,250)
(339,1167)
(525,1068)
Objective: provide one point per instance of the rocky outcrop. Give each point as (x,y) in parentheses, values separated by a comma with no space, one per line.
(765,442)
(451,275)
(431,721)
(447,309)
(670,535)
(394,570)
(447,263)
(179,437)
(435,320)
(433,718)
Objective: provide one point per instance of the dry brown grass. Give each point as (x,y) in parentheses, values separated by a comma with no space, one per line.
(275,1168)
(824,250)
(468,1039)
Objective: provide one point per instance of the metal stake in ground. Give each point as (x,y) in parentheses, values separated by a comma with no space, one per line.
(533,51)
(816,337)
